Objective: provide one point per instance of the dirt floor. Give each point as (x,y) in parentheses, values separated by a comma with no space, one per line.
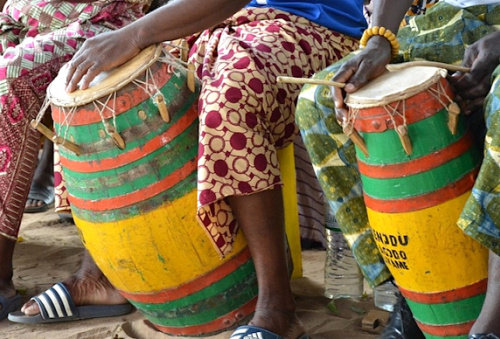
(50,250)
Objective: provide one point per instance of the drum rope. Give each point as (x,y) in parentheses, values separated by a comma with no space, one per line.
(148,85)
(395,112)
(438,92)
(348,123)
(110,129)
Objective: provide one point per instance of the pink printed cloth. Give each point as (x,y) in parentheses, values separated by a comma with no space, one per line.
(36,38)
(245,115)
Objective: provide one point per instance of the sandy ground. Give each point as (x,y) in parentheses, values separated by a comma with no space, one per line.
(50,250)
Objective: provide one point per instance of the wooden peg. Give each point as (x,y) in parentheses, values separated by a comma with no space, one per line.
(117,138)
(356,138)
(49,134)
(162,107)
(405,139)
(191,81)
(67,144)
(453,113)
(184,50)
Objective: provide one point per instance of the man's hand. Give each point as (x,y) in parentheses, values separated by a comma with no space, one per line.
(482,57)
(99,54)
(359,70)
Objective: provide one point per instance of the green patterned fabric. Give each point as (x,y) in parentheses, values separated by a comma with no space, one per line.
(332,153)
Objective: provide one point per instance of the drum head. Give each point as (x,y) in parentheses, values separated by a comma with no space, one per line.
(394,86)
(105,83)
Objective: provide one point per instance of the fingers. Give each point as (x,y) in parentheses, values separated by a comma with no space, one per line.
(75,72)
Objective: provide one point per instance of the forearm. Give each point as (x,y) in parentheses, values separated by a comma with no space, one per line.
(181,18)
(389,13)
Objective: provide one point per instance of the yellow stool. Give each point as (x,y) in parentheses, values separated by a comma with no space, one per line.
(287,166)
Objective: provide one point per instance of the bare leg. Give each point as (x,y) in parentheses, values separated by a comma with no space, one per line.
(44,173)
(6,251)
(488,319)
(88,286)
(261,218)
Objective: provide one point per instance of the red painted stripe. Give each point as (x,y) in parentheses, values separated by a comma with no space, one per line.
(420,202)
(418,107)
(215,326)
(193,286)
(446,296)
(446,330)
(136,196)
(420,165)
(129,96)
(91,166)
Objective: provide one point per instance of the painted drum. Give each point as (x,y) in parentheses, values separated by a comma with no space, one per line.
(133,195)
(418,168)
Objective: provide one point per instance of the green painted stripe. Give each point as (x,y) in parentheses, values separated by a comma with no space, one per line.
(179,190)
(427,136)
(421,183)
(460,311)
(87,136)
(135,176)
(227,295)
(430,336)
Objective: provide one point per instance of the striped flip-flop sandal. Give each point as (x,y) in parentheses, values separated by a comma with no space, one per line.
(56,305)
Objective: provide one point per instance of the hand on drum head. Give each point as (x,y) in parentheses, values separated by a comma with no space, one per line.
(482,57)
(360,69)
(98,54)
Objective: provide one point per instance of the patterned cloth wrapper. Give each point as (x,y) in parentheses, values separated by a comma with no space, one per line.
(333,156)
(245,115)
(36,39)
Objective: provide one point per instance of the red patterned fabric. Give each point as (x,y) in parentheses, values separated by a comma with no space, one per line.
(245,115)
(36,38)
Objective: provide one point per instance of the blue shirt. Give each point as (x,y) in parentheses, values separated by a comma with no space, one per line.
(343,16)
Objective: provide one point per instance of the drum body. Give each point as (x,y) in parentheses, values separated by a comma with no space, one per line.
(135,208)
(414,200)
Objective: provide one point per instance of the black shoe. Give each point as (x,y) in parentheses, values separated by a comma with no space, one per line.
(401,323)
(483,336)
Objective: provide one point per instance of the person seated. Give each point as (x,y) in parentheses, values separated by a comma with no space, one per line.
(41,194)
(238,56)
(471,39)
(36,38)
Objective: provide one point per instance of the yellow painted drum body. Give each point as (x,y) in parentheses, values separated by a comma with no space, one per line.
(416,179)
(135,207)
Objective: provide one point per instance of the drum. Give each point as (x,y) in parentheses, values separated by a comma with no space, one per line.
(418,165)
(129,147)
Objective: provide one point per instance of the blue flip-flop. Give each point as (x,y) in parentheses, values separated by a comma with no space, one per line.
(56,305)
(9,305)
(254,332)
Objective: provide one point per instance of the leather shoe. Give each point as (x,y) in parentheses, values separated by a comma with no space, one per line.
(483,336)
(401,323)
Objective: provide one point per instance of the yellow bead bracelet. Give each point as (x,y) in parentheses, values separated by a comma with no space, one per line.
(381,31)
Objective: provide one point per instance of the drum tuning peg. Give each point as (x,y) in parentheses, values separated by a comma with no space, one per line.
(453,113)
(117,138)
(162,107)
(356,138)
(191,83)
(49,134)
(402,132)
(184,50)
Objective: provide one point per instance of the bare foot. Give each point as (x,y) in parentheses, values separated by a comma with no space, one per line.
(283,323)
(88,286)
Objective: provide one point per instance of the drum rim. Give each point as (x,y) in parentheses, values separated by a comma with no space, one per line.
(82,97)
(359,103)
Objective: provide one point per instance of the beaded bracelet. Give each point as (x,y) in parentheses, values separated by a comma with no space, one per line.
(382,31)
